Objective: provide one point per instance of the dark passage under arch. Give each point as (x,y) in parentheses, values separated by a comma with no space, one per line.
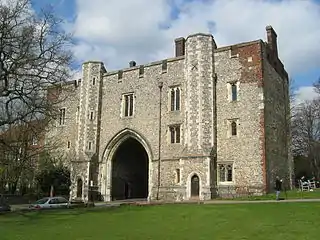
(130,170)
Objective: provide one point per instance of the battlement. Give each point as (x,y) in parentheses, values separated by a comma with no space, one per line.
(270,47)
(180,51)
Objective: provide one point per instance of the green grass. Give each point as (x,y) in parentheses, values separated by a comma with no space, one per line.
(293,194)
(285,221)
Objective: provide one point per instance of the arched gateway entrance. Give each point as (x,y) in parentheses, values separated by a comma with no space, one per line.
(130,170)
(126,171)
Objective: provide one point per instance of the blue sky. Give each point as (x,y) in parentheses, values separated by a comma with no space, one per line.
(117,31)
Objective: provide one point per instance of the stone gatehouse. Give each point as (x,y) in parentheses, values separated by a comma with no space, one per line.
(209,121)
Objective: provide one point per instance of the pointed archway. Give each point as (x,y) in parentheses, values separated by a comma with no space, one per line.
(114,155)
(130,168)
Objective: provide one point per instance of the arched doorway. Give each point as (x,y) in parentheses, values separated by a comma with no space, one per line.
(79,188)
(130,168)
(195,186)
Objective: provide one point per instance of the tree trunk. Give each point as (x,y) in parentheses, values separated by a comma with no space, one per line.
(51,191)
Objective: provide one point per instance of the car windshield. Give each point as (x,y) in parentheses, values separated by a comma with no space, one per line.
(42,201)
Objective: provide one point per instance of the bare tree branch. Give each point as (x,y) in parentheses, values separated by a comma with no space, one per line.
(34,55)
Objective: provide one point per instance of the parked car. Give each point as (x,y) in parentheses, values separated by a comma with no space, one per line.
(4,206)
(50,203)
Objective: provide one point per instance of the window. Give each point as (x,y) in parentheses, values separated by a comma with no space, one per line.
(69,144)
(91,116)
(175,134)
(225,172)
(234,92)
(141,71)
(178,175)
(89,145)
(175,98)
(54,201)
(128,105)
(77,113)
(62,117)
(94,81)
(234,128)
(120,73)
(164,66)
(34,141)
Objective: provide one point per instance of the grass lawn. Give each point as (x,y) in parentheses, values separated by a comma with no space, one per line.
(239,221)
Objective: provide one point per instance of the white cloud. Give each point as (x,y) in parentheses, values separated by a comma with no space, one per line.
(117,31)
(304,94)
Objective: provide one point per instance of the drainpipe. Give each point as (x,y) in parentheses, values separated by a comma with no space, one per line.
(160,85)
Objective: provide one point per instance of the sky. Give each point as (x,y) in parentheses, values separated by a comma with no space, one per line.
(118,31)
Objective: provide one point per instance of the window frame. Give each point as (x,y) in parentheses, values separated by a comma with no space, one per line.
(62,116)
(226,172)
(234,92)
(178,176)
(128,108)
(34,141)
(175,98)
(233,89)
(233,127)
(175,134)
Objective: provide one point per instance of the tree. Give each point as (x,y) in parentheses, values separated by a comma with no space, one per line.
(34,55)
(316,86)
(306,133)
(53,178)
(19,154)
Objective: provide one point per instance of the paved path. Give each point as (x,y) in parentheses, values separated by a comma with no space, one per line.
(259,201)
(144,202)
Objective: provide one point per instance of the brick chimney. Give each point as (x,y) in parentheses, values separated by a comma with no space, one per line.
(132,63)
(180,46)
(272,40)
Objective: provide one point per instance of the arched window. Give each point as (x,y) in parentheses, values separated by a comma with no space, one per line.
(233,128)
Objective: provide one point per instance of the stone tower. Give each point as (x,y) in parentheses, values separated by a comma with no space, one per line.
(200,114)
(89,111)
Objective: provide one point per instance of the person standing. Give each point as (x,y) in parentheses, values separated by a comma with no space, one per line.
(278,187)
